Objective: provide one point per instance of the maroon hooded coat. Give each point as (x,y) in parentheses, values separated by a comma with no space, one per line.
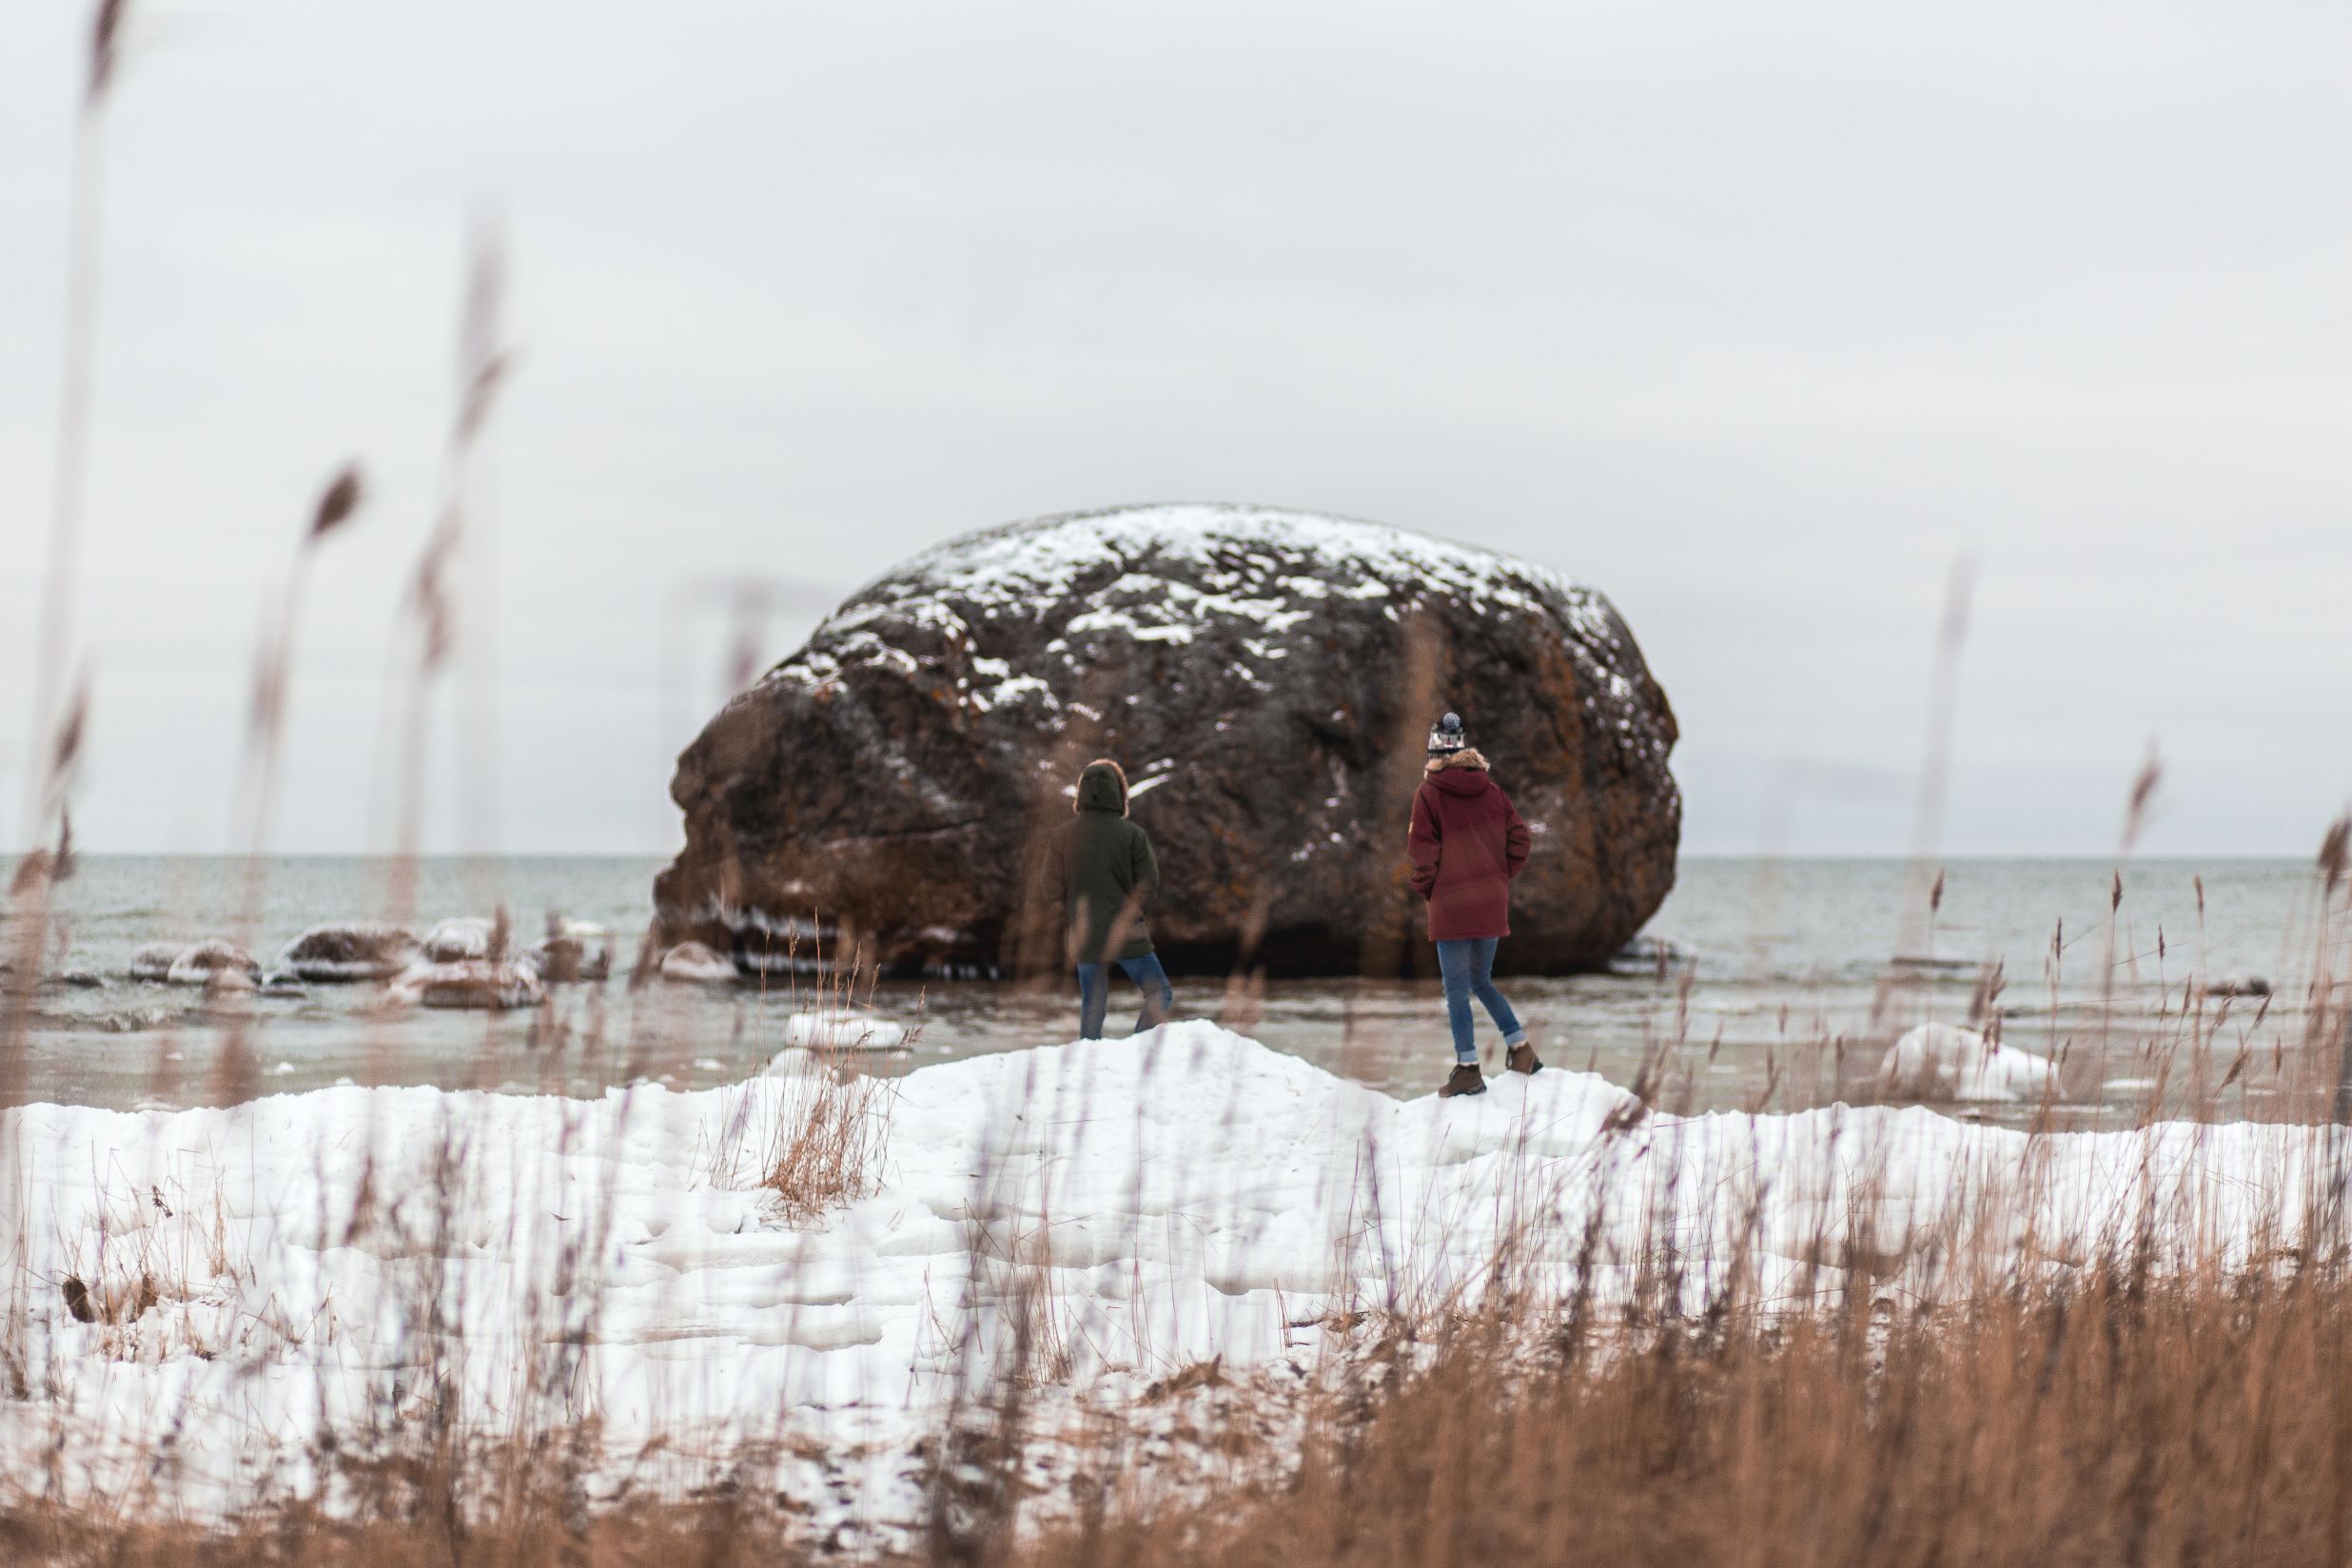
(1468,842)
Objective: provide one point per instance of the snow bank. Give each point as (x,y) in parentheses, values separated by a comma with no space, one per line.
(1159,1201)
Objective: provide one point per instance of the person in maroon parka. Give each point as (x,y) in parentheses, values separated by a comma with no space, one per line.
(1468,842)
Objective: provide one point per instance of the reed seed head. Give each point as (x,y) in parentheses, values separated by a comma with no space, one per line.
(105,46)
(337,503)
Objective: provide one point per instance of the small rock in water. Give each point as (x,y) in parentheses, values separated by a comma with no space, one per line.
(131,1020)
(2238,985)
(573,950)
(470,983)
(348,950)
(80,980)
(215,965)
(694,962)
(154,960)
(461,937)
(1645,955)
(1932,963)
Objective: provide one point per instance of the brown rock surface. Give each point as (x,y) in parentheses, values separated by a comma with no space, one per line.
(1267,680)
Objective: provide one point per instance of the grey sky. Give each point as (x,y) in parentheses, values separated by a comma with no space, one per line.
(1754,317)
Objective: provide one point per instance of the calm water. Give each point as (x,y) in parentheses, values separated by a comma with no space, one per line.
(1786,980)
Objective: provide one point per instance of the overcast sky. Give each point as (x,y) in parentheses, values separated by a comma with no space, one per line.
(1756,318)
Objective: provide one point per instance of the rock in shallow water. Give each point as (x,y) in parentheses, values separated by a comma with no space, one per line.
(348,952)
(212,962)
(463,937)
(572,951)
(1267,678)
(469,982)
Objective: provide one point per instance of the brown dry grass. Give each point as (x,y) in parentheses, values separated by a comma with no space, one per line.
(2112,1421)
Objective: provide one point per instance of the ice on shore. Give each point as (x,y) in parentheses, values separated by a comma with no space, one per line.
(1163,1199)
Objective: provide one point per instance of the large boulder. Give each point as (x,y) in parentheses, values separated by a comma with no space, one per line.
(1268,679)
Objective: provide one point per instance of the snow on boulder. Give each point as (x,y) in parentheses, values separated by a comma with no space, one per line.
(1943,1061)
(470,983)
(461,937)
(216,964)
(573,950)
(348,950)
(1266,677)
(843,1029)
(693,961)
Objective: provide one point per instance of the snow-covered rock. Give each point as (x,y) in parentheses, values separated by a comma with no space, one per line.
(573,950)
(696,962)
(153,960)
(1251,669)
(469,982)
(1943,1061)
(215,964)
(460,937)
(348,950)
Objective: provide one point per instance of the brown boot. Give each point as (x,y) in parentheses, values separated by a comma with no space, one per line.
(1523,1059)
(1467,1080)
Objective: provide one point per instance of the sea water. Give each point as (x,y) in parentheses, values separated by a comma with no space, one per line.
(1760,983)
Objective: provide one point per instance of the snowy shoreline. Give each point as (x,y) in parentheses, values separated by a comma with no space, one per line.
(346,1258)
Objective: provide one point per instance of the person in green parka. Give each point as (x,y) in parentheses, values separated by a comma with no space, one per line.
(1103,866)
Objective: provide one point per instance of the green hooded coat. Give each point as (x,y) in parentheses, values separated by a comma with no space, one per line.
(1103,866)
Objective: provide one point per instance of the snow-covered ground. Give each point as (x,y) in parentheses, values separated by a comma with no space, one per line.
(1111,1212)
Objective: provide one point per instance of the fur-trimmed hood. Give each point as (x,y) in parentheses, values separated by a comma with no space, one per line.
(1469,756)
(1101,788)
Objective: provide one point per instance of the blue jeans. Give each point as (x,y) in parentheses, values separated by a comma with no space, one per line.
(1468,966)
(1094,994)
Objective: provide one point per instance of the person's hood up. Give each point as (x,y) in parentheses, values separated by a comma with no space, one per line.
(1461,773)
(1102,788)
